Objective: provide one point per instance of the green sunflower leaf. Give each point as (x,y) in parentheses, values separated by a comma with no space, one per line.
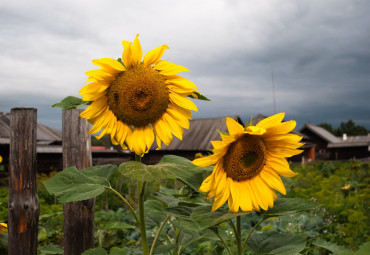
(199,96)
(276,243)
(73,185)
(142,172)
(203,216)
(286,206)
(104,171)
(184,170)
(154,212)
(71,102)
(334,248)
(95,251)
(169,167)
(51,249)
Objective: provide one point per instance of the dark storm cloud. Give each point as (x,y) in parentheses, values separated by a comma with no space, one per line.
(318,52)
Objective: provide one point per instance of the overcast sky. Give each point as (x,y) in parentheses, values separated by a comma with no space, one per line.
(318,52)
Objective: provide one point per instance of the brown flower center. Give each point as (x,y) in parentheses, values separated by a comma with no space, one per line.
(245,158)
(138,96)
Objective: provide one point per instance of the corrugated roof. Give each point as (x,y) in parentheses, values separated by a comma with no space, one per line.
(45,134)
(351,141)
(322,132)
(200,134)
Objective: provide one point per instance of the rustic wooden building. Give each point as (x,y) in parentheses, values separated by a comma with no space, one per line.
(48,148)
(330,147)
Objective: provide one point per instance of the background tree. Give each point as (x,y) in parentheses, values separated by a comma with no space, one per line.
(349,128)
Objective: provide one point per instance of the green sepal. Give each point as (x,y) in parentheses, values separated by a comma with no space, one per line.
(71,102)
(199,96)
(287,206)
(120,60)
(222,133)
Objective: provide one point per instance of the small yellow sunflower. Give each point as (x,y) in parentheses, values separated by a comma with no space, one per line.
(138,101)
(248,162)
(1,159)
(3,228)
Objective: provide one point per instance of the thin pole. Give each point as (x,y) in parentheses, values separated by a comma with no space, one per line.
(273,89)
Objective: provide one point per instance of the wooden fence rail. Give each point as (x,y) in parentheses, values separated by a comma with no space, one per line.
(23,206)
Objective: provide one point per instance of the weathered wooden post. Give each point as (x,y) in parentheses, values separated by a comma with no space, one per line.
(78,216)
(23,206)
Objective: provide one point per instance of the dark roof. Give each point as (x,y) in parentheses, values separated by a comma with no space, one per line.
(321,132)
(335,141)
(200,134)
(351,141)
(45,134)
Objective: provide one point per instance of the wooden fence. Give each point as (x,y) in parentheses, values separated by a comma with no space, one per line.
(24,206)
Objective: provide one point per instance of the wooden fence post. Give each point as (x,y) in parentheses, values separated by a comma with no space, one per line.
(78,216)
(23,206)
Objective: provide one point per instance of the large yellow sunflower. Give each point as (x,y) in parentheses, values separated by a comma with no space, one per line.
(138,101)
(248,162)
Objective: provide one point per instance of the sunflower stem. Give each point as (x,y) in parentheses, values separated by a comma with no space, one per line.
(144,240)
(157,235)
(126,202)
(254,228)
(223,241)
(239,234)
(141,186)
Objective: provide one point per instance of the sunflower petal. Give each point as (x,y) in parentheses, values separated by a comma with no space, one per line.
(180,81)
(96,108)
(173,126)
(280,165)
(149,137)
(109,65)
(245,198)
(221,198)
(206,161)
(137,53)
(282,128)
(182,101)
(167,68)
(233,126)
(272,179)
(127,54)
(235,193)
(206,184)
(162,130)
(153,56)
(271,121)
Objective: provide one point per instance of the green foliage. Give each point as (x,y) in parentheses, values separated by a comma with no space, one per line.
(349,128)
(169,167)
(277,243)
(73,185)
(199,96)
(71,102)
(343,190)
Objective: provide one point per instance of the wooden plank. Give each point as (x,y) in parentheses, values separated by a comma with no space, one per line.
(78,216)
(23,206)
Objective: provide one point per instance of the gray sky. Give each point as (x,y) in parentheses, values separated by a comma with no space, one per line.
(319,52)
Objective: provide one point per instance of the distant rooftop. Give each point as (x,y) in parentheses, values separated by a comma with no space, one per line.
(45,134)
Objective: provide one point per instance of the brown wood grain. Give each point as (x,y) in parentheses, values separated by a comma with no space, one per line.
(23,205)
(78,216)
